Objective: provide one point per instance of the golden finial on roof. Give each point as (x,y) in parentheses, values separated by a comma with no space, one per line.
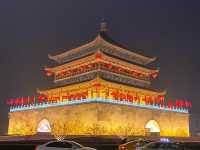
(103,26)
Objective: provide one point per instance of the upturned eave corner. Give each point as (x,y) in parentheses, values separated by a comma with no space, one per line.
(146,59)
(164,92)
(46,68)
(38,91)
(155,70)
(51,57)
(152,59)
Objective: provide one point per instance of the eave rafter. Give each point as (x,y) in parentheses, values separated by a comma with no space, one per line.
(58,58)
(104,58)
(146,59)
(107,84)
(99,39)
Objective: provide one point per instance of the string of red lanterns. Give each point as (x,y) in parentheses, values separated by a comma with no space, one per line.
(146,100)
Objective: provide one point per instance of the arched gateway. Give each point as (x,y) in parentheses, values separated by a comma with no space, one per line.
(152,128)
(44,126)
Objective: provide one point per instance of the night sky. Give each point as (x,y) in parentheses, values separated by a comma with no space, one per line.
(30,30)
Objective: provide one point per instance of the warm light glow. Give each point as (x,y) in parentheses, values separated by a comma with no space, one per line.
(72,120)
(99,90)
(153,126)
(44,126)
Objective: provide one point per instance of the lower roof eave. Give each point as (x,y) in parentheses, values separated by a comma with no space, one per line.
(156,91)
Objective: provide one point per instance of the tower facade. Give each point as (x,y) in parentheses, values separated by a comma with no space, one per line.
(100,88)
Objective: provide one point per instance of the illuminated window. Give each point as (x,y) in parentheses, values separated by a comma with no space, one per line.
(44,126)
(152,126)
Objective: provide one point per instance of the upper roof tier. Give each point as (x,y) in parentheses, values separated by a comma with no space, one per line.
(106,45)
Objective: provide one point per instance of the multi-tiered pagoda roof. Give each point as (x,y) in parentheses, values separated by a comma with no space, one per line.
(103,58)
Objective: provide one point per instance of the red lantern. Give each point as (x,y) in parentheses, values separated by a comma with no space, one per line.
(41,98)
(148,99)
(160,99)
(129,98)
(63,72)
(115,95)
(138,74)
(182,103)
(98,55)
(109,65)
(122,96)
(85,95)
(49,73)
(17,101)
(9,102)
(77,96)
(189,104)
(21,101)
(32,99)
(119,69)
(170,104)
(177,104)
(136,99)
(64,97)
(97,85)
(143,99)
(154,75)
